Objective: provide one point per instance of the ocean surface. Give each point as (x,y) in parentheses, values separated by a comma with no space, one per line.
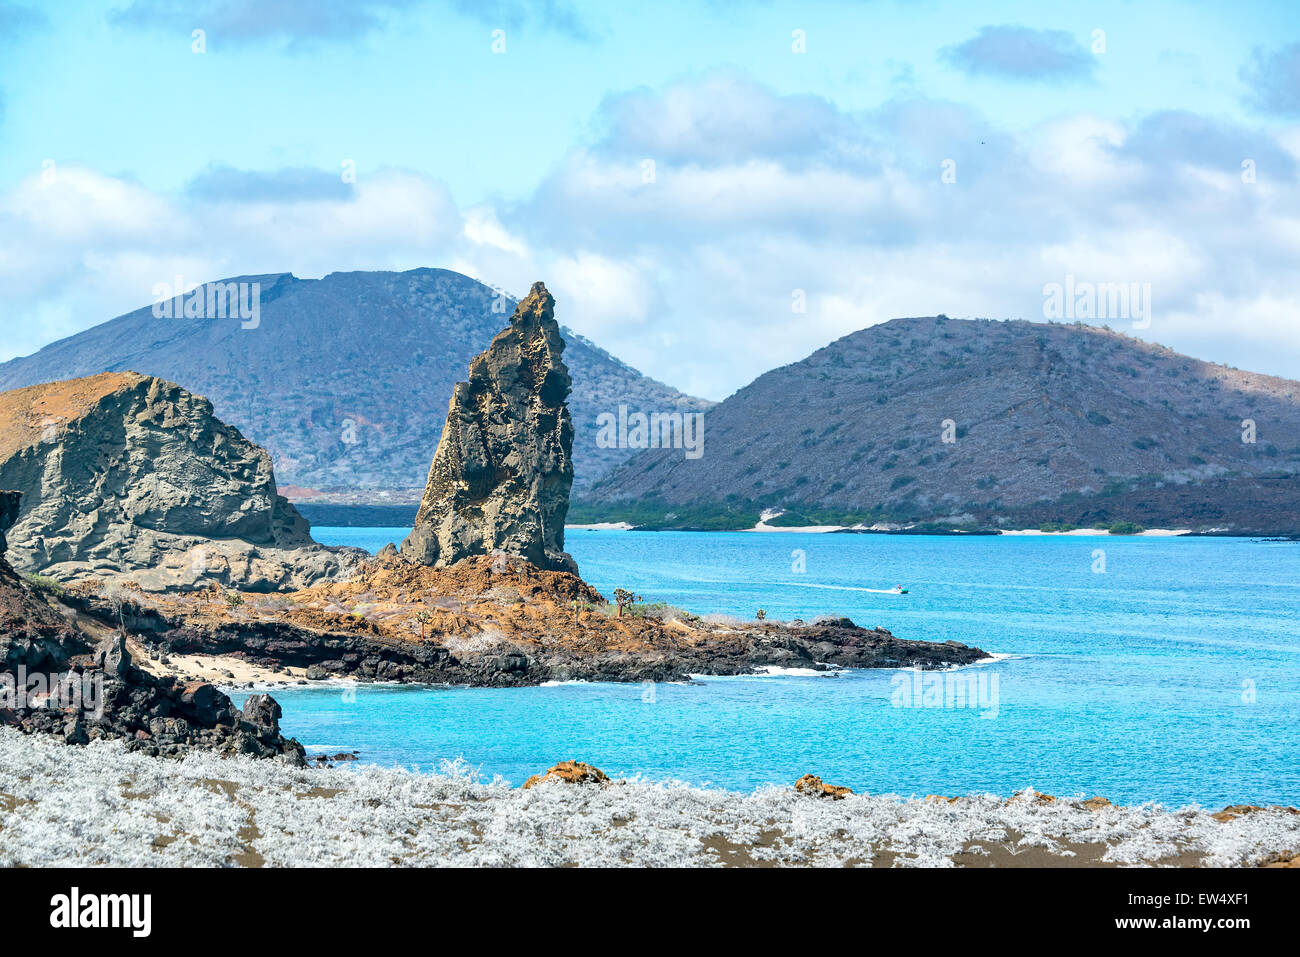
(1141,669)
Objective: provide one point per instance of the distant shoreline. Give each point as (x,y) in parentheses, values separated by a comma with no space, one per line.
(816,529)
(403,516)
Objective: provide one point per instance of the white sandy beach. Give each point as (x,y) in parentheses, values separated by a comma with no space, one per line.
(225,671)
(1082,532)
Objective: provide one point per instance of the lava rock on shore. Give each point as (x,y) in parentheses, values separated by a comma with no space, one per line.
(53,680)
(502,622)
(569,772)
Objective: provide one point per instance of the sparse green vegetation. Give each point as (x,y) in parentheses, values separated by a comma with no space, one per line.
(1126,528)
(658,610)
(623,598)
(507,595)
(41,583)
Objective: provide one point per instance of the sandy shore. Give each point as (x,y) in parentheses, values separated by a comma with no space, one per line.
(102,805)
(225,671)
(222,670)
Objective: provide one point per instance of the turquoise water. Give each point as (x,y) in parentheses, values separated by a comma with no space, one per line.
(1165,669)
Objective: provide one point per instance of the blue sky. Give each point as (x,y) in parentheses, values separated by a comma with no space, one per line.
(775,171)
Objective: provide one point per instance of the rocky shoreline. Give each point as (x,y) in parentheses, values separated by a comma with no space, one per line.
(492,622)
(57,679)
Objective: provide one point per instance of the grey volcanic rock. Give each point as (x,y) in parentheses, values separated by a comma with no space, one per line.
(131,477)
(263,710)
(9,505)
(113,698)
(929,418)
(503,469)
(345,380)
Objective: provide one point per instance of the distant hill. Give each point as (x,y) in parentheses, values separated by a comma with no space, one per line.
(1048,423)
(346,379)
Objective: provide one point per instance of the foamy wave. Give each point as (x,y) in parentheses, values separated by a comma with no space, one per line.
(774,671)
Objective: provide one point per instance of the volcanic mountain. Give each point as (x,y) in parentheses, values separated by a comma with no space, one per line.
(345,379)
(990,422)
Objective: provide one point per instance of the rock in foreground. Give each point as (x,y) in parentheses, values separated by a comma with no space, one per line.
(501,476)
(813,785)
(569,772)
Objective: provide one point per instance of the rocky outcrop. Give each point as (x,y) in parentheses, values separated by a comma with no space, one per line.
(112,698)
(813,785)
(32,636)
(569,772)
(501,622)
(130,477)
(54,680)
(503,469)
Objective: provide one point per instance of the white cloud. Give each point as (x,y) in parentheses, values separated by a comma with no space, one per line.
(1083,150)
(86,247)
(483,228)
(690,276)
(1159,199)
(604,292)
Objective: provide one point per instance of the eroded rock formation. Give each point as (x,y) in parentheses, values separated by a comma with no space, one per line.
(501,476)
(128,476)
(54,679)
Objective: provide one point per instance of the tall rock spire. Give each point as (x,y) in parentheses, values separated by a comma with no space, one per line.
(501,476)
